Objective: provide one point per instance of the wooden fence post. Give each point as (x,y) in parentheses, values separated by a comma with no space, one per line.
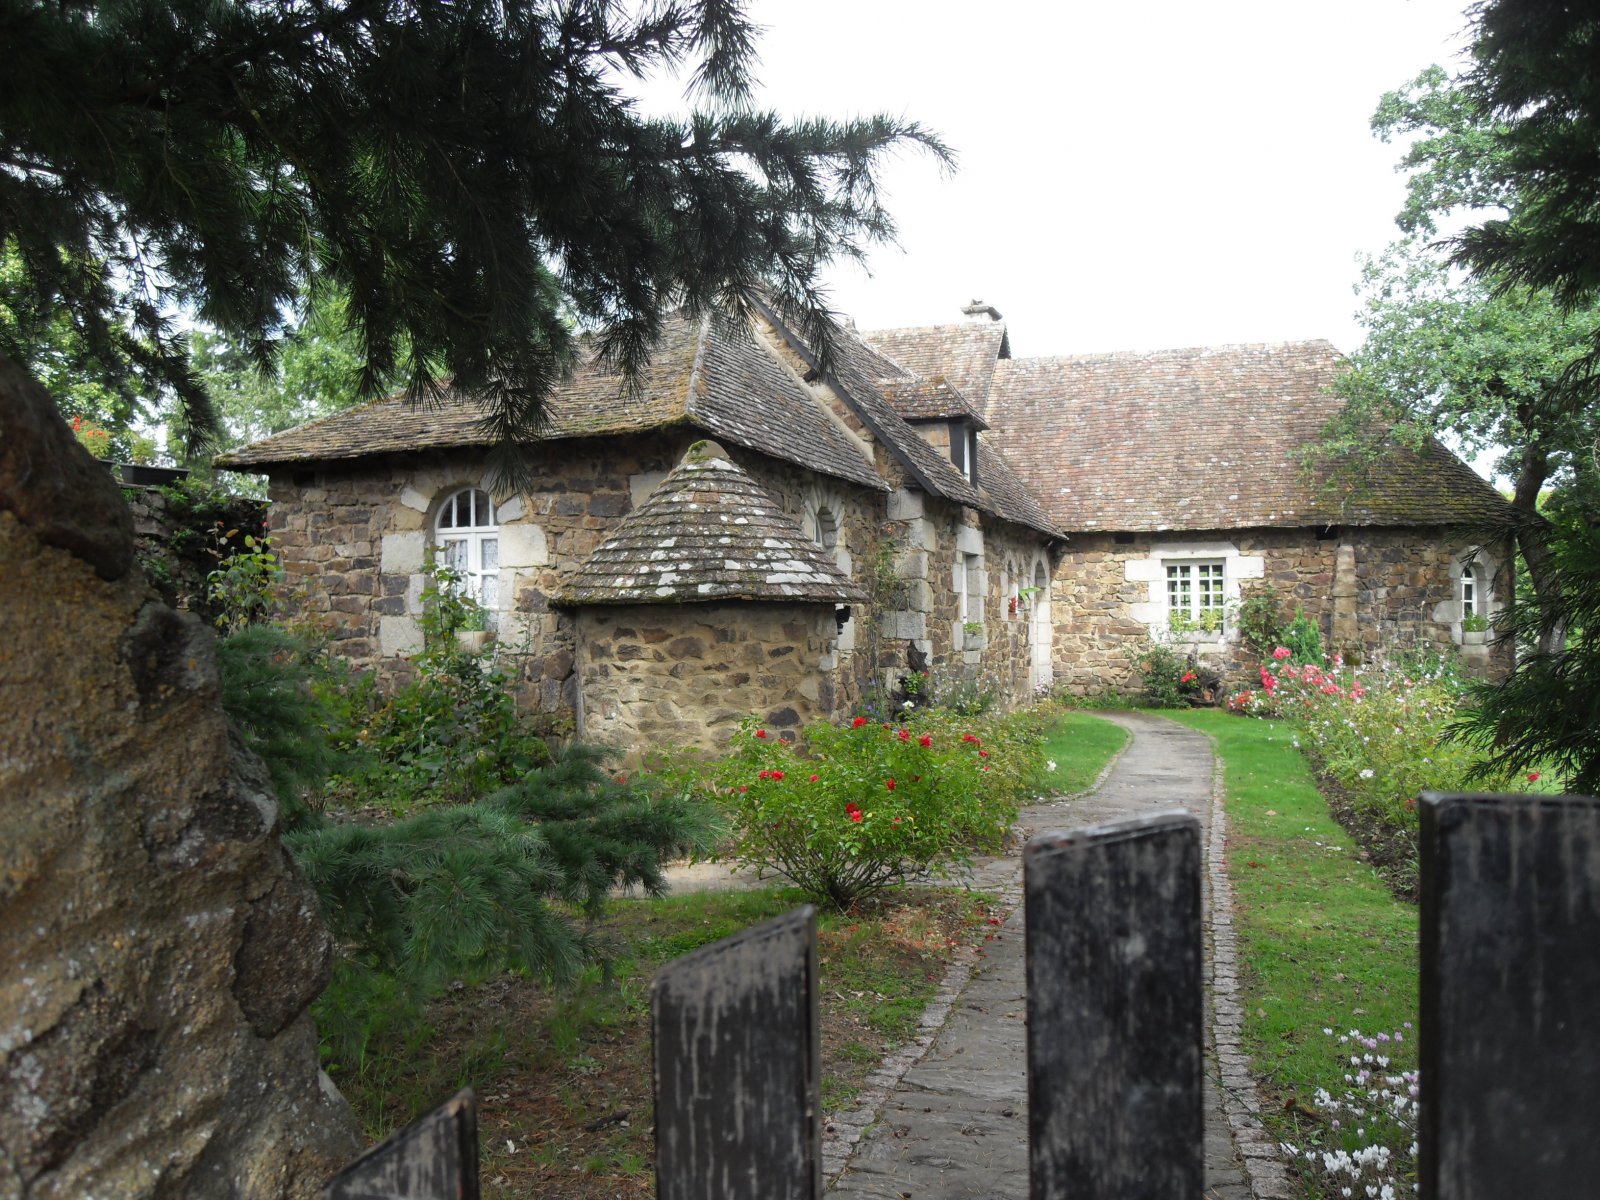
(433,1158)
(1510,1019)
(737,1066)
(1115,1010)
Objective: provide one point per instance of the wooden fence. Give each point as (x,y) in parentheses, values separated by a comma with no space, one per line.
(1509,1027)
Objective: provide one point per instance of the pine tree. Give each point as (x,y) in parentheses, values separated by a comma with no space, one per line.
(473,177)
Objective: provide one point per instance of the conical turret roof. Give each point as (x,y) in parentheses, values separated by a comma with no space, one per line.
(709,532)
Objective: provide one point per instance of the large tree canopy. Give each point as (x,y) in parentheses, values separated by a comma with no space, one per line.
(1535,75)
(472,176)
(1509,354)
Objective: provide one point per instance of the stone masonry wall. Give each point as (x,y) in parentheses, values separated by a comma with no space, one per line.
(1371,591)
(354,538)
(943,552)
(686,675)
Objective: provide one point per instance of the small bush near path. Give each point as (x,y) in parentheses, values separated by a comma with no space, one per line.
(563,1075)
(855,809)
(1322,942)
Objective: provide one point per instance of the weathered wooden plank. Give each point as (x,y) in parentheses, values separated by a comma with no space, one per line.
(433,1158)
(1510,1020)
(737,1064)
(1115,1011)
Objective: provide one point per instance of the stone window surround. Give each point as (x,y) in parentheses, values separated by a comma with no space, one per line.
(1151,570)
(476,579)
(1484,571)
(404,552)
(970,581)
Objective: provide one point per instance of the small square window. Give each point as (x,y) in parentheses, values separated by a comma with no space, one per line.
(1195,597)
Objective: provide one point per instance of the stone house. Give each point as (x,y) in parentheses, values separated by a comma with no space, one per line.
(926,502)
(1175,477)
(628,593)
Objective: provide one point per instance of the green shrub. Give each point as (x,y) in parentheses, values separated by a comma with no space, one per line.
(1260,620)
(1161,670)
(473,888)
(857,809)
(1303,638)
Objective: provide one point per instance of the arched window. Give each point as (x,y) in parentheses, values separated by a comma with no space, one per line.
(467,538)
(823,528)
(1471,603)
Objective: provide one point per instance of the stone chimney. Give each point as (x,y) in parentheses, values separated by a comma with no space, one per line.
(979,309)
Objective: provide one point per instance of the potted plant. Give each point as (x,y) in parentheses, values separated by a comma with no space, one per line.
(972,635)
(1474,629)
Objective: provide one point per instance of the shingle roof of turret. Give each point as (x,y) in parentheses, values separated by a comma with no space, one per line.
(707,533)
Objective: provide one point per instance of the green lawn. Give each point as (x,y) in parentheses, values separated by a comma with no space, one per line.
(1322,942)
(1081,746)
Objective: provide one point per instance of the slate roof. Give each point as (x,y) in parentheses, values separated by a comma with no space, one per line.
(1204,438)
(707,533)
(700,374)
(964,354)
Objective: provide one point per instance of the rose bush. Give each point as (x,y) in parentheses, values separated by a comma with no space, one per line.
(852,810)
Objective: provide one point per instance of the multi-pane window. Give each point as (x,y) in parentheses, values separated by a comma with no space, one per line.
(468,541)
(1194,596)
(1470,606)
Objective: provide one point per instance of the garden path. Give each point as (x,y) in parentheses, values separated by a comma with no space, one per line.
(950,1119)
(946,1117)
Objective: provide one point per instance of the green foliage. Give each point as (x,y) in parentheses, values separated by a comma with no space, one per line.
(1303,639)
(1260,620)
(452,733)
(1474,623)
(470,889)
(861,808)
(1548,709)
(1380,732)
(473,214)
(269,676)
(1210,620)
(244,589)
(1160,669)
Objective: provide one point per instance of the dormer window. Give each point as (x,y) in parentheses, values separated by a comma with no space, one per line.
(964,449)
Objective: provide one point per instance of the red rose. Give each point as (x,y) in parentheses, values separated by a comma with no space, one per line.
(776,774)
(1533,777)
(858,723)
(925,741)
(889,783)
(813,779)
(905,735)
(761,733)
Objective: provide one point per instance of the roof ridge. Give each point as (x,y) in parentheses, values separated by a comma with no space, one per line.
(1219,348)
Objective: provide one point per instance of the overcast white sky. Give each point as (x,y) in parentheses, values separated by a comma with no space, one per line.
(1132,176)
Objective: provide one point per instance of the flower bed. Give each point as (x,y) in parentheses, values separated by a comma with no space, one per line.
(1380,732)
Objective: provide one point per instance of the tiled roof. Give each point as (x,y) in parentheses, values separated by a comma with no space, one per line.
(701,374)
(857,370)
(919,399)
(1204,439)
(707,533)
(963,354)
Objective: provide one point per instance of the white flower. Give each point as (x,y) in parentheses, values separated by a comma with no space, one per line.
(909,704)
(1051,765)
(1366,773)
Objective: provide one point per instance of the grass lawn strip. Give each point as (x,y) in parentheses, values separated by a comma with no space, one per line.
(1081,745)
(1322,942)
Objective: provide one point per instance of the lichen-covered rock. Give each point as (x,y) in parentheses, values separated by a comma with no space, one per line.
(158,950)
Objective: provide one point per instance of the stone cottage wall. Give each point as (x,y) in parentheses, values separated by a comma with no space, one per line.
(355,538)
(1371,591)
(941,551)
(686,675)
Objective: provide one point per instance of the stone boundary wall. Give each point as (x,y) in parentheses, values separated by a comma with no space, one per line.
(181,536)
(1371,591)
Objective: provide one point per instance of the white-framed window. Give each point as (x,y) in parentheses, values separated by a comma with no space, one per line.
(466,536)
(1196,596)
(1471,600)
